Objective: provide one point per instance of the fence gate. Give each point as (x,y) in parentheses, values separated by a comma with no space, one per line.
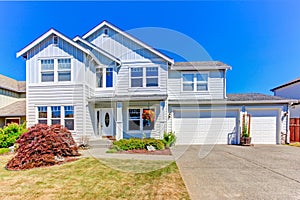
(295,130)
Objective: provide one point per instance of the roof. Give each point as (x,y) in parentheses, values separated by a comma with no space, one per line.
(101,51)
(200,65)
(12,84)
(105,23)
(44,36)
(15,109)
(286,84)
(252,97)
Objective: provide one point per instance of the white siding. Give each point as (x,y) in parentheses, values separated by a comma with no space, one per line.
(295,111)
(215,87)
(57,96)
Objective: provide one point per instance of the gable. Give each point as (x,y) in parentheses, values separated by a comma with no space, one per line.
(121,44)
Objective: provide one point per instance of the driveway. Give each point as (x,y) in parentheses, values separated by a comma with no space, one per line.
(236,172)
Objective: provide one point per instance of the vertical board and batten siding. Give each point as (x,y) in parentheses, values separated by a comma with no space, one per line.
(68,94)
(47,50)
(215,87)
(119,45)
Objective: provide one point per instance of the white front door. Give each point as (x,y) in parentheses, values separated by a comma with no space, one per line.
(107,121)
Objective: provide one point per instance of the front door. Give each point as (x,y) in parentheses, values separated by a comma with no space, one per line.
(107,122)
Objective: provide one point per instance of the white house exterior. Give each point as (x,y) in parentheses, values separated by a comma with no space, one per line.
(109,84)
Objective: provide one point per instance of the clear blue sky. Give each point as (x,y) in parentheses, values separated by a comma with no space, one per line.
(259,39)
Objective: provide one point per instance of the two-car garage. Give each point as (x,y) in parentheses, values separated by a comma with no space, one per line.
(223,126)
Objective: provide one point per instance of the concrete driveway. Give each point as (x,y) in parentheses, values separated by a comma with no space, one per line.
(235,172)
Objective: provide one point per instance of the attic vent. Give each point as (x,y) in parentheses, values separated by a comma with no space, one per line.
(55,39)
(105,32)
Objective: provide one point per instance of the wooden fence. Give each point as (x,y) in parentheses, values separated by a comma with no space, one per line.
(294,130)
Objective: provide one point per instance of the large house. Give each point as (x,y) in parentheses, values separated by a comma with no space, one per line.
(108,84)
(12,101)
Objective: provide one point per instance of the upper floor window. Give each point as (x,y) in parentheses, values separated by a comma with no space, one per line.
(144,77)
(64,69)
(47,70)
(55,39)
(104,77)
(56,70)
(195,82)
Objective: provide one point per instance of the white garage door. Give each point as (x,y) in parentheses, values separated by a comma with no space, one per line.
(205,127)
(263,126)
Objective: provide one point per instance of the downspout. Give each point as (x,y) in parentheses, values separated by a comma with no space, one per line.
(288,124)
(224,85)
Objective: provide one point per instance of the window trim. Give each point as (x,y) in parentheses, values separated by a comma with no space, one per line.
(55,69)
(18,118)
(141,108)
(144,67)
(195,82)
(64,70)
(104,70)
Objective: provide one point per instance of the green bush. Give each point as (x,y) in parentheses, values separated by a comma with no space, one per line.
(4,150)
(9,134)
(136,143)
(169,139)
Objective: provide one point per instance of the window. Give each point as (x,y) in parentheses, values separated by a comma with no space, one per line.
(195,82)
(151,76)
(104,77)
(56,70)
(105,32)
(69,117)
(144,77)
(12,120)
(141,119)
(64,69)
(137,77)
(42,115)
(55,114)
(47,70)
(55,39)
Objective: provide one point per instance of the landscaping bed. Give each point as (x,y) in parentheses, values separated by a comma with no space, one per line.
(145,151)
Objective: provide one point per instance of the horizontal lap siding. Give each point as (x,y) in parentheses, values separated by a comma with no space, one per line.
(56,95)
(215,84)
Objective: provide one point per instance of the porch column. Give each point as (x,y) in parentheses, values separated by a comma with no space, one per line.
(119,122)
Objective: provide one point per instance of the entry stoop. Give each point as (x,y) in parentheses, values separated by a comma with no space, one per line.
(99,143)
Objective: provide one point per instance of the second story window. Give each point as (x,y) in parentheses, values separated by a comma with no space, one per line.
(144,77)
(64,69)
(56,70)
(47,70)
(104,77)
(192,82)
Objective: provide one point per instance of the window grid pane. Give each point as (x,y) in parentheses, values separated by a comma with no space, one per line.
(99,77)
(64,76)
(47,64)
(109,77)
(188,77)
(202,77)
(55,111)
(69,111)
(64,64)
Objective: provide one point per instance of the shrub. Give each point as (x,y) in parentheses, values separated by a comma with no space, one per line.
(43,145)
(136,143)
(9,134)
(169,139)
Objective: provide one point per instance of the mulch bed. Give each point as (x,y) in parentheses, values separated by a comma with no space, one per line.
(145,151)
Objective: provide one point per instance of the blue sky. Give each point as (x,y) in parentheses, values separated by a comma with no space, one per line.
(259,39)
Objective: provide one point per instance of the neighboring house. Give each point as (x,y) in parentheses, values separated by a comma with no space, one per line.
(109,84)
(291,90)
(12,101)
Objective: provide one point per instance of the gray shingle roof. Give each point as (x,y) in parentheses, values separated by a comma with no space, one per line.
(12,84)
(15,109)
(200,63)
(252,97)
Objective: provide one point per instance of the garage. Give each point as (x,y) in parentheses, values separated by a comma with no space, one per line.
(263,126)
(194,126)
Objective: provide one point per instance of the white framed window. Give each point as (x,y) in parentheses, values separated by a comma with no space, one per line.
(69,117)
(193,82)
(47,70)
(63,115)
(55,115)
(56,70)
(105,77)
(42,115)
(55,39)
(141,119)
(64,69)
(144,77)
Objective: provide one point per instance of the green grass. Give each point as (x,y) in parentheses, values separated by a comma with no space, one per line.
(87,178)
(4,150)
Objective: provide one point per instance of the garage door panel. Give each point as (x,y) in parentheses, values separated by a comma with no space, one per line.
(212,130)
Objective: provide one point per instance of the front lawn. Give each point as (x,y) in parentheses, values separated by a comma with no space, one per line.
(87,178)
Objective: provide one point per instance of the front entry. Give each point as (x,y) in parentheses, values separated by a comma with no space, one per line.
(104,122)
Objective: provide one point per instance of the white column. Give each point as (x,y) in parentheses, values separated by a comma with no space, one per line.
(119,121)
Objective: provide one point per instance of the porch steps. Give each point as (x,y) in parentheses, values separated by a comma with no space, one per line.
(99,143)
